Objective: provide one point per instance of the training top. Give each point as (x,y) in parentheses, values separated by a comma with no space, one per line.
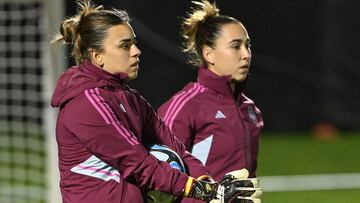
(221,131)
(102,129)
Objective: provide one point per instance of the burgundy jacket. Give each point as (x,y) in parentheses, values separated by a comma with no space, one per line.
(219,130)
(101,131)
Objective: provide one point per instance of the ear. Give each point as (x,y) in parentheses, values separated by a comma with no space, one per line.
(208,54)
(96,57)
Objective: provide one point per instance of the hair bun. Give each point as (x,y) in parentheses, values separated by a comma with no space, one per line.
(206,10)
(202,11)
(68,29)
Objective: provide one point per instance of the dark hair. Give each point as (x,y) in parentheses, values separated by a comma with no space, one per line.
(202,27)
(88,29)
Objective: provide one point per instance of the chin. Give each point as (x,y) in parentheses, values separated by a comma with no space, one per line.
(240,78)
(132,76)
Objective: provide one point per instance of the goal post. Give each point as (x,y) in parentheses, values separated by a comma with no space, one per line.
(54,63)
(28,70)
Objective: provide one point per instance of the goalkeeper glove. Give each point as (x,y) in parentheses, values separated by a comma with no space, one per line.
(233,187)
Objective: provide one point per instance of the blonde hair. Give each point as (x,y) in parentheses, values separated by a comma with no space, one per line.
(202,27)
(88,28)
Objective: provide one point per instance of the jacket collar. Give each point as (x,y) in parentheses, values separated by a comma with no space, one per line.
(82,77)
(218,84)
(116,80)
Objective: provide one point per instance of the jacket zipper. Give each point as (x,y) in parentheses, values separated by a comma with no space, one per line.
(246,137)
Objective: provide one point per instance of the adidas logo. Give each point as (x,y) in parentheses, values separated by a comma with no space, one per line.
(219,115)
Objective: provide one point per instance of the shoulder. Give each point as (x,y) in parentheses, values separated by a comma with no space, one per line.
(90,103)
(189,94)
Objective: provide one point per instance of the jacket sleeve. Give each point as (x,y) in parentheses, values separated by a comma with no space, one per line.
(90,118)
(182,133)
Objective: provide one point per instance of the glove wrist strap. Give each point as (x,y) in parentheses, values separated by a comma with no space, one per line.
(188,186)
(198,189)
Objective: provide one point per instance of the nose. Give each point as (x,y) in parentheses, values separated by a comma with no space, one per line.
(246,53)
(135,51)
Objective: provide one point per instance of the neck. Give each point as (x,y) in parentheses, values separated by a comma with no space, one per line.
(232,85)
(236,88)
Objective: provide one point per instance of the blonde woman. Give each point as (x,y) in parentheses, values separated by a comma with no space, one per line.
(212,116)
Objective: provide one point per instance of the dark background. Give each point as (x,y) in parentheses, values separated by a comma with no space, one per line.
(305,68)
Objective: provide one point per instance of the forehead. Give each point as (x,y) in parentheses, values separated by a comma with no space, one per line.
(233,31)
(121,31)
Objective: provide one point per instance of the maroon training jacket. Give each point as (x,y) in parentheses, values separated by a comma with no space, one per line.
(217,129)
(101,131)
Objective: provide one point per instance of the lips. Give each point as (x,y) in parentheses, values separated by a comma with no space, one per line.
(135,63)
(246,66)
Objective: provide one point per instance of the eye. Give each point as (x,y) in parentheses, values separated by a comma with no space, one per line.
(236,46)
(125,45)
(128,43)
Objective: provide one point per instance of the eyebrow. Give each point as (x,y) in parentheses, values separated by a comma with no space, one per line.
(239,41)
(127,40)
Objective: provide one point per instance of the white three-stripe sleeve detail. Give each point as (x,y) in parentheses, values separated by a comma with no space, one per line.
(94,167)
